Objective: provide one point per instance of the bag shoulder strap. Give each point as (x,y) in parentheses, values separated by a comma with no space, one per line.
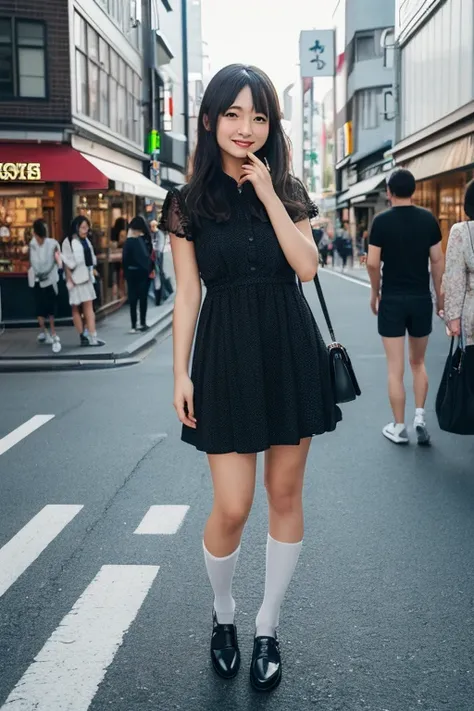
(324,307)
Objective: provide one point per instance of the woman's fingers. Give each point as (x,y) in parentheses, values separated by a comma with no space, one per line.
(185,413)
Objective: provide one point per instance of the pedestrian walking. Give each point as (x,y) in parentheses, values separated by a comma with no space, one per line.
(406,238)
(138,269)
(159,243)
(458,281)
(260,375)
(79,260)
(43,277)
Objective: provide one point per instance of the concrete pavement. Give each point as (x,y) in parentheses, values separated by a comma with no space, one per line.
(378,617)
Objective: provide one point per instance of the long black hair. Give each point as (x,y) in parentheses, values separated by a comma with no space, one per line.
(139,224)
(205,195)
(75,224)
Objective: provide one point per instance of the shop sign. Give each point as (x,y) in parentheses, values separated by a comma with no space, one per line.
(20,171)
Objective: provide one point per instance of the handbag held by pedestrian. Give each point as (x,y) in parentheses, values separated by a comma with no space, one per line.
(455,398)
(344,381)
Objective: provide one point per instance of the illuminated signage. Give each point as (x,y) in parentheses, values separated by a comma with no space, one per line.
(20,171)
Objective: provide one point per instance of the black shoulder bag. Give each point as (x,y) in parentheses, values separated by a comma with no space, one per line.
(344,381)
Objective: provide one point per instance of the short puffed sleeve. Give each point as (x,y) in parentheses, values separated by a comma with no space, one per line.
(304,207)
(174,215)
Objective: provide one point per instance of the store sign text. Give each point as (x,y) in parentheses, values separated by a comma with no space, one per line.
(20,171)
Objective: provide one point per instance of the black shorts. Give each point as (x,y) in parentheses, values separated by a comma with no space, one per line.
(401,313)
(45,301)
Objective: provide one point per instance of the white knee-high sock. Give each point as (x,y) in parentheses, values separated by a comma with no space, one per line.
(221,573)
(281,563)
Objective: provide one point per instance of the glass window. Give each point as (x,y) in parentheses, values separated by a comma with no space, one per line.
(365,47)
(104,98)
(114,62)
(104,55)
(93,91)
(130,80)
(30,34)
(121,110)
(80,32)
(81,82)
(6,59)
(31,72)
(121,75)
(113,103)
(367,109)
(129,109)
(92,44)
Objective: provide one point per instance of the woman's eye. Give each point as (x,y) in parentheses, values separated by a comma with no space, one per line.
(231,114)
(261,119)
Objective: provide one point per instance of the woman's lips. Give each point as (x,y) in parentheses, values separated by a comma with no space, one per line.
(244,144)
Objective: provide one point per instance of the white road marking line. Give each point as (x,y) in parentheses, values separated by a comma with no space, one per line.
(67,672)
(164,520)
(25,547)
(347,278)
(23,431)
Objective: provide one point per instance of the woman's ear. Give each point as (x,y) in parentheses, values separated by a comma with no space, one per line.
(206,122)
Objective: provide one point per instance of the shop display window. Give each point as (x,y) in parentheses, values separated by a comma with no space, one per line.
(17,214)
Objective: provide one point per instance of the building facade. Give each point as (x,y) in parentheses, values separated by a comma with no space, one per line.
(435,112)
(364,104)
(82,98)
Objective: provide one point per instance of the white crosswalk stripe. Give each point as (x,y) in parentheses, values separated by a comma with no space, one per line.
(25,547)
(23,431)
(66,673)
(162,520)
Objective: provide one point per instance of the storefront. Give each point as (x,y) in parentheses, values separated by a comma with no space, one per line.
(442,175)
(57,182)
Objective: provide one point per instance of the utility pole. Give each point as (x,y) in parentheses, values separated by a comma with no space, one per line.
(184,30)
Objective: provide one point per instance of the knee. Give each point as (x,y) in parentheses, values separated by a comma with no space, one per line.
(416,363)
(284,499)
(232,517)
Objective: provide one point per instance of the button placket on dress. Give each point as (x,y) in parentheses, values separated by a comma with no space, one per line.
(252,250)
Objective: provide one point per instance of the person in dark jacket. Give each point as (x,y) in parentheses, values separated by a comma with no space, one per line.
(138,269)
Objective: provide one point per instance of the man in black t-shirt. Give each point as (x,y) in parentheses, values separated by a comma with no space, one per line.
(405,239)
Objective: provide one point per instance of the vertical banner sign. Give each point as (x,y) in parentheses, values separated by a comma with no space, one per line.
(317,53)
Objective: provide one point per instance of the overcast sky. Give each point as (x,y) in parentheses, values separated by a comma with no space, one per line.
(261,32)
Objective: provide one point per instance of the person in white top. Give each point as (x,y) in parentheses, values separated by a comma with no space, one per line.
(43,277)
(80,260)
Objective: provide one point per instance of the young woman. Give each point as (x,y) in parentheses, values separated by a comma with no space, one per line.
(138,269)
(79,260)
(45,258)
(260,379)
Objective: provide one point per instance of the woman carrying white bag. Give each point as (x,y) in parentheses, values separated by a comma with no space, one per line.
(79,260)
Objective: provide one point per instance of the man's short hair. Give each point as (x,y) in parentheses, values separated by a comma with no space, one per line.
(469,200)
(402,183)
(39,228)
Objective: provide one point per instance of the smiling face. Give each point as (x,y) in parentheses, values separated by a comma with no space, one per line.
(241,129)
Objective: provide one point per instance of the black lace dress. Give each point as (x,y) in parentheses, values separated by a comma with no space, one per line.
(260,366)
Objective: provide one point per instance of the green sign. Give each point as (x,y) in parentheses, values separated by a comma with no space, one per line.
(154,142)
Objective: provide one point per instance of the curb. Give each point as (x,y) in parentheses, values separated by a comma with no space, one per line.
(92,361)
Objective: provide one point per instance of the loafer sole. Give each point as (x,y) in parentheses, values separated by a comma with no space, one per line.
(272,685)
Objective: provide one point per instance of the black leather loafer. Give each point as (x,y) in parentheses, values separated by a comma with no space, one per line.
(225,653)
(265,669)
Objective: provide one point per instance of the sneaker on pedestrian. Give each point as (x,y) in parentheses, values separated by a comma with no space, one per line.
(396,433)
(48,340)
(144,328)
(57,347)
(133,330)
(41,337)
(94,341)
(421,430)
(84,339)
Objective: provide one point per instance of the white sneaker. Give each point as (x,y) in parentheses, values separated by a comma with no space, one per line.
(57,347)
(421,430)
(94,341)
(41,337)
(396,433)
(48,339)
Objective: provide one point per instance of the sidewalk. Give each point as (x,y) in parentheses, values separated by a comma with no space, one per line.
(20,351)
(356,272)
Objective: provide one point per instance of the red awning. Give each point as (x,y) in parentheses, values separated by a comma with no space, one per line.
(58,163)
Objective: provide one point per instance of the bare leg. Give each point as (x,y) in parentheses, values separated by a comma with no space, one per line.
(284,473)
(77,319)
(417,349)
(89,316)
(395,352)
(52,326)
(233,477)
(42,323)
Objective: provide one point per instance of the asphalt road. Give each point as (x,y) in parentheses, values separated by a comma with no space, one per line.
(379,616)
